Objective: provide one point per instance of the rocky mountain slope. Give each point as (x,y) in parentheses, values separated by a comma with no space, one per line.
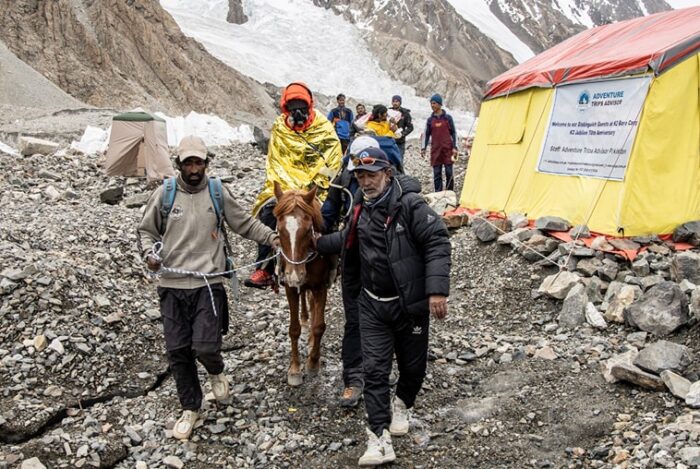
(114,53)
(436,45)
(543,23)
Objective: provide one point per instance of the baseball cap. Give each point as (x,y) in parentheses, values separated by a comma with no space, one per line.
(359,144)
(191,146)
(370,159)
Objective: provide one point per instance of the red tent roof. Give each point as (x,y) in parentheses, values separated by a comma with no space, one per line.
(655,42)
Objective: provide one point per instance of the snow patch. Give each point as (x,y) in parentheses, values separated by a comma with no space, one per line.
(477,12)
(643,7)
(94,140)
(4,148)
(212,129)
(576,15)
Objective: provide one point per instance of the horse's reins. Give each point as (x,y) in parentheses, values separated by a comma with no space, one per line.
(157,248)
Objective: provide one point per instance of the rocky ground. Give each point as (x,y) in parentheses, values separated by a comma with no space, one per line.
(84,381)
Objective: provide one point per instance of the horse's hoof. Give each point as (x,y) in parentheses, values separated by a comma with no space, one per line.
(313,369)
(294,379)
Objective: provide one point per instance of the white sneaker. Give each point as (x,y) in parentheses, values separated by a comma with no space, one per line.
(185,424)
(219,386)
(399,417)
(379,449)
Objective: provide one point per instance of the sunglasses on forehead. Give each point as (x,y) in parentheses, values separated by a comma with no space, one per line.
(369,160)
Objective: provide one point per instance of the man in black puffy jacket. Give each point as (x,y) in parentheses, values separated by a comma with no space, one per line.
(395,260)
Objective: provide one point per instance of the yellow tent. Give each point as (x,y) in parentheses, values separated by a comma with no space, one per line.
(602,129)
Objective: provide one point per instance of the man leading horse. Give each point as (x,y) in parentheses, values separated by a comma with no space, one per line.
(192,238)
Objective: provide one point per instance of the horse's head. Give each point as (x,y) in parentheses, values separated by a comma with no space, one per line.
(298,216)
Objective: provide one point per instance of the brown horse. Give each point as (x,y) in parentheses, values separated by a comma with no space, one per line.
(303,273)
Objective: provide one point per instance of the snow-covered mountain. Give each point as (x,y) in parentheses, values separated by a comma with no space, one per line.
(373,49)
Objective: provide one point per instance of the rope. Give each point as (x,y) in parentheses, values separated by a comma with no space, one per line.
(520,243)
(158,247)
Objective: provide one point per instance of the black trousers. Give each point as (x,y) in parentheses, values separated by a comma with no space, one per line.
(264,251)
(449,177)
(351,353)
(402,148)
(192,332)
(384,330)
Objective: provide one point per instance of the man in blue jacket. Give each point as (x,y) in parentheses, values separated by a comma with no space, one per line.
(341,117)
(395,262)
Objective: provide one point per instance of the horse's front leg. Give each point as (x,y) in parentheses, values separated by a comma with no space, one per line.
(294,376)
(305,308)
(318,327)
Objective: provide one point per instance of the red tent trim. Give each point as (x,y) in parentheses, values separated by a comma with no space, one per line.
(656,42)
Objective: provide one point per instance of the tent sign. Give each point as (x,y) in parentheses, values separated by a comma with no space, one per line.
(592,127)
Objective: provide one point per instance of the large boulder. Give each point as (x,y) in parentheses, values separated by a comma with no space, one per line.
(112,195)
(692,399)
(621,296)
(686,266)
(441,201)
(626,358)
(678,385)
(137,200)
(660,311)
(537,247)
(589,266)
(688,233)
(635,375)
(29,146)
(695,303)
(608,271)
(580,231)
(624,244)
(573,310)
(594,317)
(663,355)
(511,238)
(558,285)
(518,220)
(236,14)
(489,230)
(552,224)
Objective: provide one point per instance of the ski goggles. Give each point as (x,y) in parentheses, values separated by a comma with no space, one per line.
(366,161)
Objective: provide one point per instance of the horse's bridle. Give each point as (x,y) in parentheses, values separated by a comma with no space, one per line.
(309,257)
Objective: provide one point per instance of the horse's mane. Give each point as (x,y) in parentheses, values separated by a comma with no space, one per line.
(294,198)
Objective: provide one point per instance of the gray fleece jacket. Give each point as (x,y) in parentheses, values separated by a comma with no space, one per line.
(191,240)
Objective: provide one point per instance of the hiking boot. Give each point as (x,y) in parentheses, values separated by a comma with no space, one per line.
(379,449)
(399,417)
(351,396)
(259,279)
(185,424)
(219,386)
